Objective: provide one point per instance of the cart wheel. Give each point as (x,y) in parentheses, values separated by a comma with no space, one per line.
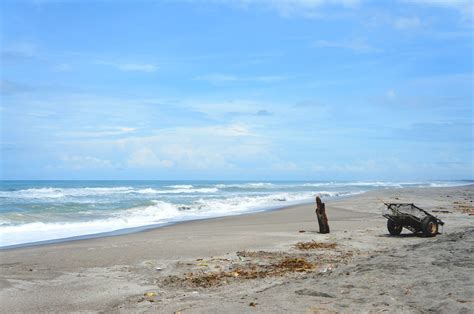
(429,226)
(393,227)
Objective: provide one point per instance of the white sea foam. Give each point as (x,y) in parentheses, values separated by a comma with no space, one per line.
(251,185)
(50,192)
(260,184)
(55,193)
(445,184)
(159,212)
(33,193)
(94,209)
(177,191)
(348,184)
(180,186)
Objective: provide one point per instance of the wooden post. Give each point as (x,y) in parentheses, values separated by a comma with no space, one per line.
(321,214)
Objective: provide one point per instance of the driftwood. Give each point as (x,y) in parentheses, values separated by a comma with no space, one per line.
(321,214)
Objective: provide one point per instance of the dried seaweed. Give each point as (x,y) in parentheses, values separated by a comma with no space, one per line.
(260,254)
(464,208)
(251,265)
(249,271)
(295,265)
(313,245)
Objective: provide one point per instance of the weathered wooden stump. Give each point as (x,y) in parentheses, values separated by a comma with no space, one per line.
(321,214)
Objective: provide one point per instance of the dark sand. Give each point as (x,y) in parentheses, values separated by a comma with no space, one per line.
(366,270)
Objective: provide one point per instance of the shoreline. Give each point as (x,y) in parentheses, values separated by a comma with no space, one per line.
(123,232)
(144,228)
(113,273)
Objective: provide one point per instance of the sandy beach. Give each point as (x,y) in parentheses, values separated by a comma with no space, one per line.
(252,263)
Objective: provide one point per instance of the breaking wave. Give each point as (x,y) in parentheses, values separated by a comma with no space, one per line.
(56,193)
(158,212)
(33,211)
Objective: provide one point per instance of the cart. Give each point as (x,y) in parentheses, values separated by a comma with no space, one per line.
(411,217)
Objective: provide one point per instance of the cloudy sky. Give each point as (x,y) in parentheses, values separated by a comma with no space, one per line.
(263,90)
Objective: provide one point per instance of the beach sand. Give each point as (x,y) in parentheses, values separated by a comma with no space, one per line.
(249,263)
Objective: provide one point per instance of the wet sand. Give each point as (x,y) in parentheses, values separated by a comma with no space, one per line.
(249,263)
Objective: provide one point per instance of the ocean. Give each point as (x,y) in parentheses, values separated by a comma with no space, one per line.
(38,211)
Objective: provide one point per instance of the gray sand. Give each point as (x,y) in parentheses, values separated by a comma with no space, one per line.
(367,271)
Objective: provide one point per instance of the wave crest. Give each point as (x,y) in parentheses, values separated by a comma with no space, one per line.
(57,193)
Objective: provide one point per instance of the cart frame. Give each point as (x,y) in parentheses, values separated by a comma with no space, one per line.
(411,217)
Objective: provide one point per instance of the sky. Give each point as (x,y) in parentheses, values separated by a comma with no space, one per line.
(237,90)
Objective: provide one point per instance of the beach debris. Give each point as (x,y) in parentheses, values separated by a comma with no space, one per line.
(250,265)
(250,271)
(158,268)
(253,304)
(464,207)
(295,264)
(322,217)
(258,255)
(327,268)
(203,264)
(313,245)
(149,296)
(302,231)
(320,310)
(313,293)
(411,217)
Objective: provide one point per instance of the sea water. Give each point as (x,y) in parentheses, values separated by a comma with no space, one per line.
(35,211)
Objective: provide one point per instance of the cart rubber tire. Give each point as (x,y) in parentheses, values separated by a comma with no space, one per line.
(429,226)
(393,227)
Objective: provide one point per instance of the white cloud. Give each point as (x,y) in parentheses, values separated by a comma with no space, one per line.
(19,50)
(146,158)
(8,87)
(231,130)
(357,45)
(144,67)
(127,129)
(101,132)
(407,22)
(225,78)
(355,166)
(211,147)
(85,162)
(285,166)
(237,108)
(131,67)
(390,95)
(63,67)
(291,8)
(464,7)
(15,52)
(307,8)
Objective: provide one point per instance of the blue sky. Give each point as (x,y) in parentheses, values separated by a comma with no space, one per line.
(262,90)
